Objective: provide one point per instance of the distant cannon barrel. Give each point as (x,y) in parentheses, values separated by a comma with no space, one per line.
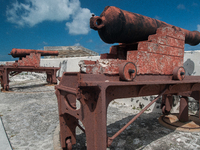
(23,52)
(119,26)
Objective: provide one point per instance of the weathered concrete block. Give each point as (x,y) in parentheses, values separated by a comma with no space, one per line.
(160,54)
(153,63)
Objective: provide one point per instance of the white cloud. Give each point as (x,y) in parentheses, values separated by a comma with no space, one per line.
(36,11)
(198,27)
(80,22)
(181,6)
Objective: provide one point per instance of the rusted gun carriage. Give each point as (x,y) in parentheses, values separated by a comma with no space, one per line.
(29,60)
(148,61)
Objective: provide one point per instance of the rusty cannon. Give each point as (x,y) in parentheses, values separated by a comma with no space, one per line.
(24,52)
(29,60)
(119,26)
(147,61)
(30,57)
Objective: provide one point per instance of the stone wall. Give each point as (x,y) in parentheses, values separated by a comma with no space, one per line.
(70,51)
(192,62)
(66,64)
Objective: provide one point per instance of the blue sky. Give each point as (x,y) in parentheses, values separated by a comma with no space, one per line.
(33,24)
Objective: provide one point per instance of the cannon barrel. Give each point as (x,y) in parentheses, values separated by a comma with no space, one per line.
(119,26)
(23,52)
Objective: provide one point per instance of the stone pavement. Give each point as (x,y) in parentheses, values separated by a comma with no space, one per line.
(4,141)
(30,116)
(29,113)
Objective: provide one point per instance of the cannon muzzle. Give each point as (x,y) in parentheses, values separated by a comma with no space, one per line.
(23,52)
(119,26)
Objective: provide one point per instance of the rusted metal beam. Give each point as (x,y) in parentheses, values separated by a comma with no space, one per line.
(166,104)
(6,70)
(183,110)
(95,92)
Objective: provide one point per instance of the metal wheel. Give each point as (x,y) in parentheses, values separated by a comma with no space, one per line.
(6,87)
(69,144)
(164,111)
(127,71)
(178,73)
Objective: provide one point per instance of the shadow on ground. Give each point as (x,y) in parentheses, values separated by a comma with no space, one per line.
(138,135)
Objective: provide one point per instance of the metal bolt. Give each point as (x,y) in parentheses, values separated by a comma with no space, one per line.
(182,73)
(131,71)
